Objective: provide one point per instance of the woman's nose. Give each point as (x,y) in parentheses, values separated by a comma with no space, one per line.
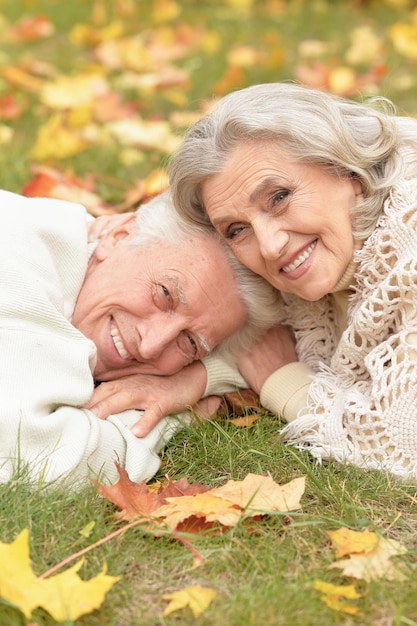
(271,238)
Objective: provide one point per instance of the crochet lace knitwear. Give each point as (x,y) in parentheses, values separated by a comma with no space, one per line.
(362,403)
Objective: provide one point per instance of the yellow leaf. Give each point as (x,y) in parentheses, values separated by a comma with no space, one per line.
(260,494)
(203,505)
(346,541)
(64,596)
(366,46)
(242,56)
(341,80)
(374,564)
(404,39)
(56,141)
(69,92)
(197,598)
(145,134)
(334,595)
(17,580)
(86,531)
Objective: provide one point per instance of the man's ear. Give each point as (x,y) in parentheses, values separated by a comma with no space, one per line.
(117,228)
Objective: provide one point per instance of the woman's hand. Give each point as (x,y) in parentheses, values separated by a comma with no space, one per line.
(157,396)
(275,349)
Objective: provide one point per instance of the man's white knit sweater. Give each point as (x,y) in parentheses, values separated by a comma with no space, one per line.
(46,364)
(353,394)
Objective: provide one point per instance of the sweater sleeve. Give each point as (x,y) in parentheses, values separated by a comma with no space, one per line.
(285,391)
(222,375)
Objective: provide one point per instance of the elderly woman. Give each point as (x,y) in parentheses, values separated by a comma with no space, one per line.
(143,299)
(319,196)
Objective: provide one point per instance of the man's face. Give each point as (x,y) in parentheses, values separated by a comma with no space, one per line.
(155,309)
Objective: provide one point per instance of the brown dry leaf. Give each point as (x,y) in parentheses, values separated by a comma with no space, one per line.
(239,402)
(135,499)
(335,596)
(246,421)
(258,495)
(375,563)
(346,541)
(198,598)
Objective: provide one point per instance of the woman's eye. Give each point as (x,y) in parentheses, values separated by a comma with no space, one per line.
(233,230)
(281,195)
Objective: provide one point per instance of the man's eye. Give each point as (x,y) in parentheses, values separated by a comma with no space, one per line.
(188,345)
(165,291)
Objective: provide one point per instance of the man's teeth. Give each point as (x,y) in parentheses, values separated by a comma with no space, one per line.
(300,259)
(118,344)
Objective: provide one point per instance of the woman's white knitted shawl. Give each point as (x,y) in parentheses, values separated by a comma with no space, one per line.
(362,403)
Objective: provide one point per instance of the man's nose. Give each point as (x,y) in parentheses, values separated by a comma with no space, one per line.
(156,336)
(271,238)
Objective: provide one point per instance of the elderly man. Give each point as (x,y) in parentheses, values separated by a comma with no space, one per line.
(144,299)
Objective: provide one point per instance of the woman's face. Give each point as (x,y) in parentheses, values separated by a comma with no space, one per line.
(288,221)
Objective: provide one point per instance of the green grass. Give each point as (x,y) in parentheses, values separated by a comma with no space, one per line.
(263,578)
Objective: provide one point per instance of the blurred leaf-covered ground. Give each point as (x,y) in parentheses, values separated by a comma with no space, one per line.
(95,95)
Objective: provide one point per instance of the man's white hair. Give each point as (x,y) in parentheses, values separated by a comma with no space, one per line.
(157,221)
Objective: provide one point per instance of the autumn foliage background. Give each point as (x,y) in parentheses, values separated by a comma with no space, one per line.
(94,97)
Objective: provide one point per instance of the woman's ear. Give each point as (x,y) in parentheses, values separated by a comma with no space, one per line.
(118,227)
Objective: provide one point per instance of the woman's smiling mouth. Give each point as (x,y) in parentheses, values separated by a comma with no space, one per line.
(300,259)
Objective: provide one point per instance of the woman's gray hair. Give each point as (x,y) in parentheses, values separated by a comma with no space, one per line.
(368,141)
(157,221)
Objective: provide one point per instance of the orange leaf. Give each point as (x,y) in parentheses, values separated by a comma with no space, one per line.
(139,499)
(31,28)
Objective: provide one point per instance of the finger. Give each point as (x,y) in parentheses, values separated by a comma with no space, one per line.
(150,418)
(115,403)
(206,407)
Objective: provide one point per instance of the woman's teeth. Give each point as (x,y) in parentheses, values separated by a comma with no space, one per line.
(300,259)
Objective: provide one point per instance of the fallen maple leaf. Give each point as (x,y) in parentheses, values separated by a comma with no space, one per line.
(64,596)
(197,508)
(373,564)
(257,495)
(334,596)
(30,29)
(50,182)
(205,506)
(346,541)
(198,598)
(141,499)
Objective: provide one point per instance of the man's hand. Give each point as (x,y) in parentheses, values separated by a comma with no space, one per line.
(275,349)
(157,396)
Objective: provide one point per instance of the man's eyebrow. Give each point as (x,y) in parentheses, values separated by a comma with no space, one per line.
(265,185)
(203,343)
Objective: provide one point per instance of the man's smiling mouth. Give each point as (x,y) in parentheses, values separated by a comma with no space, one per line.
(118,343)
(300,259)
